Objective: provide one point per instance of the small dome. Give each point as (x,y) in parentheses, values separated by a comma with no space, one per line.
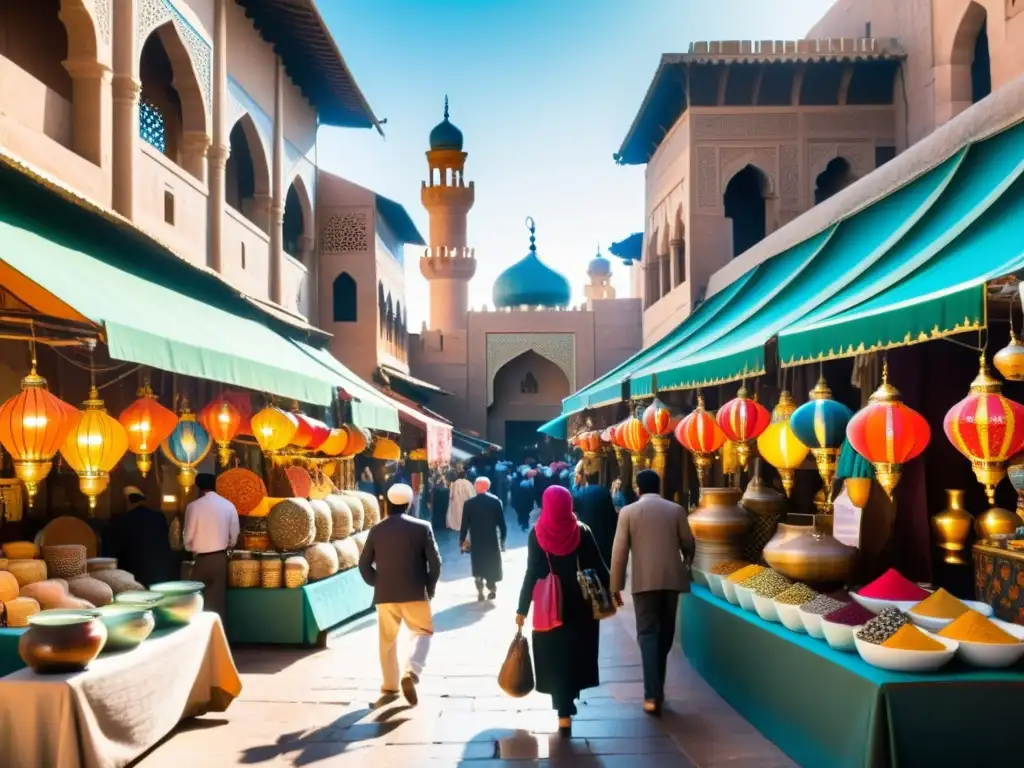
(445,135)
(599,266)
(530,282)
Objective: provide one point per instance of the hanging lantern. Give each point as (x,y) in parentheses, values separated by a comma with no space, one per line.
(311,433)
(700,434)
(820,424)
(222,420)
(94,446)
(321,432)
(779,446)
(147,424)
(335,442)
(888,433)
(856,473)
(1009,360)
(274,428)
(186,447)
(743,419)
(987,428)
(589,441)
(657,420)
(386,450)
(33,425)
(358,439)
(634,434)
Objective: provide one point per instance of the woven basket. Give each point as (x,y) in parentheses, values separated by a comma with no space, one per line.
(19,609)
(9,588)
(255,542)
(243,574)
(296,571)
(65,561)
(20,550)
(101,564)
(27,571)
(271,572)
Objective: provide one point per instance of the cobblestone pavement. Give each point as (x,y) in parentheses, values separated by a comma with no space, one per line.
(320,707)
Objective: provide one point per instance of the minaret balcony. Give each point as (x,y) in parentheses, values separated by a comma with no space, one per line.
(447,263)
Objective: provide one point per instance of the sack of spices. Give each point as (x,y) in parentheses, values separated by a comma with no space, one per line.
(516,675)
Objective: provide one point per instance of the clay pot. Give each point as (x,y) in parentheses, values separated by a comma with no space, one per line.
(62,642)
(766,507)
(718,525)
(127,626)
(952,526)
(180,601)
(810,553)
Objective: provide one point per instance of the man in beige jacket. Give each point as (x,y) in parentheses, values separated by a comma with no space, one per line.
(654,530)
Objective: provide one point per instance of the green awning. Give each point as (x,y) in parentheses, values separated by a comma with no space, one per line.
(557,427)
(370,409)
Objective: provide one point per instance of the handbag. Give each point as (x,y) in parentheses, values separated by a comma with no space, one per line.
(547,601)
(516,675)
(601,604)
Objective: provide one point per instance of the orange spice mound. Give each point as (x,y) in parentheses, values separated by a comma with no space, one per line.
(940,605)
(745,573)
(730,566)
(972,627)
(910,638)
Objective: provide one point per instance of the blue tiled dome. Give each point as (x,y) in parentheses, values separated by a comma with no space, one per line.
(530,282)
(445,135)
(599,266)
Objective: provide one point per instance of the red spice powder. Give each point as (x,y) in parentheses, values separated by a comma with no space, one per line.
(892,585)
(852,615)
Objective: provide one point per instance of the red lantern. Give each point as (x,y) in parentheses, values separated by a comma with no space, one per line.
(743,419)
(634,435)
(222,420)
(321,432)
(656,419)
(888,433)
(589,441)
(700,434)
(148,424)
(987,428)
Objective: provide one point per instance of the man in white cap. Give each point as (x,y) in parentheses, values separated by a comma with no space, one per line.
(483,522)
(401,562)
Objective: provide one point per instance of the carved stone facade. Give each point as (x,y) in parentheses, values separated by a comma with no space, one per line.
(154,13)
(345,233)
(102,13)
(559,348)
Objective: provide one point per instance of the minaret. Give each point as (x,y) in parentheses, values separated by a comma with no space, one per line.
(600,273)
(448,264)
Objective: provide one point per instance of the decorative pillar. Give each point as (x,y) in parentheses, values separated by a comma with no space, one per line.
(220,149)
(663,286)
(260,210)
(277,188)
(675,255)
(194,145)
(307,256)
(92,106)
(126,90)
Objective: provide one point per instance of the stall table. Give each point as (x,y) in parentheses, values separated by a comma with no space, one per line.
(999,580)
(298,616)
(831,709)
(122,705)
(10,661)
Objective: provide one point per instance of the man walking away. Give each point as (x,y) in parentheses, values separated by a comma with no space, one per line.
(594,506)
(655,531)
(211,529)
(461,492)
(483,521)
(522,501)
(140,539)
(401,562)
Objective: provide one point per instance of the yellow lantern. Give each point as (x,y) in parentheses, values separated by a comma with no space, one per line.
(274,428)
(94,446)
(386,449)
(335,442)
(779,446)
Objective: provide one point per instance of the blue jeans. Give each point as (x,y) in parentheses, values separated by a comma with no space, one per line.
(655,630)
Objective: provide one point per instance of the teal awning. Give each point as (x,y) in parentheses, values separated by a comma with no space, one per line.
(558,427)
(370,409)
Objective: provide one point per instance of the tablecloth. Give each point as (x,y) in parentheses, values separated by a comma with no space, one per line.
(122,705)
(831,709)
(296,616)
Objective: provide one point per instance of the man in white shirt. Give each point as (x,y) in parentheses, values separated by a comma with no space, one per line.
(211,528)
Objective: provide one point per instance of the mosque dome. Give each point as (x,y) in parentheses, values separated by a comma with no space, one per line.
(530,282)
(599,266)
(445,135)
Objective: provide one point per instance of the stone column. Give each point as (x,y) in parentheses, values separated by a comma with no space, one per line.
(307,255)
(675,255)
(92,107)
(663,284)
(194,145)
(126,90)
(260,211)
(220,149)
(277,188)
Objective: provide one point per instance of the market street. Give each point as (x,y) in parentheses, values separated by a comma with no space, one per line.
(311,707)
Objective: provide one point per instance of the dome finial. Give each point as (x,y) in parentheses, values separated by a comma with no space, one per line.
(530,225)
(446,106)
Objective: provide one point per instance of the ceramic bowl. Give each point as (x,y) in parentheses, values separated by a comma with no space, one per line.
(61,641)
(729,590)
(875,605)
(789,615)
(812,623)
(898,660)
(933,624)
(993,655)
(141,599)
(181,600)
(746,598)
(765,607)
(700,577)
(127,625)
(715,585)
(839,636)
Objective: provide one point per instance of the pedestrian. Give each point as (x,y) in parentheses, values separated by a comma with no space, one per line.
(618,497)
(565,658)
(594,506)
(483,522)
(401,562)
(139,538)
(522,501)
(654,531)
(439,497)
(461,492)
(211,529)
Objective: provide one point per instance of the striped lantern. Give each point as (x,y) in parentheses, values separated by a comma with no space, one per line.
(658,422)
(987,428)
(779,446)
(221,419)
(700,434)
(820,424)
(186,447)
(743,419)
(888,433)
(634,434)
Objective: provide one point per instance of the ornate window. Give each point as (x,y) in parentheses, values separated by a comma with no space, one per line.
(529,384)
(345,310)
(151,126)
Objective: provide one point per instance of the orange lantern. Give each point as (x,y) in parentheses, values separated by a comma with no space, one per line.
(320,433)
(147,424)
(222,420)
(589,441)
(33,424)
(635,436)
(658,422)
(335,443)
(274,428)
(357,440)
(700,434)
(386,450)
(304,433)
(743,419)
(94,446)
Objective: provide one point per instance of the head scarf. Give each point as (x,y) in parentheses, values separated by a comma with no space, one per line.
(558,530)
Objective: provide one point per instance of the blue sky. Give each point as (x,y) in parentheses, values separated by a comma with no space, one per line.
(544,92)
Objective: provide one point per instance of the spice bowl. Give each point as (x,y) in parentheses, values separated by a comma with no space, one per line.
(933,624)
(812,623)
(993,655)
(729,590)
(700,577)
(745,596)
(899,660)
(789,615)
(765,607)
(715,584)
(840,637)
(876,605)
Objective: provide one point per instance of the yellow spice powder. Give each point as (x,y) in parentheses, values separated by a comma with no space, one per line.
(910,638)
(745,573)
(730,566)
(940,605)
(972,627)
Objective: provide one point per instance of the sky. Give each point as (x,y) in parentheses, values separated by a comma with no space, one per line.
(544,92)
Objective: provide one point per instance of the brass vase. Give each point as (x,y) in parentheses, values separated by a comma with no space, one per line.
(718,523)
(996,524)
(952,526)
(766,507)
(810,553)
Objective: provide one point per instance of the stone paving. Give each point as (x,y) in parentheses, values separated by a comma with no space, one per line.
(322,707)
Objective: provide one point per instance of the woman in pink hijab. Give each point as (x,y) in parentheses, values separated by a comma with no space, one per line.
(565,658)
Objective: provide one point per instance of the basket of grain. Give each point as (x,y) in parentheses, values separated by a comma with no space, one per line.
(296,571)
(243,574)
(271,570)
(66,561)
(18,611)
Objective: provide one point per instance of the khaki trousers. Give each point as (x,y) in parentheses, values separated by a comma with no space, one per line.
(212,570)
(416,617)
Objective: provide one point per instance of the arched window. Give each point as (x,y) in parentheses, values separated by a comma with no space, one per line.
(399,325)
(345,310)
(745,205)
(382,308)
(151,126)
(836,176)
(389,325)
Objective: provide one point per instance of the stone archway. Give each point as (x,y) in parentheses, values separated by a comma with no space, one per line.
(528,390)
(298,221)
(746,202)
(962,66)
(559,348)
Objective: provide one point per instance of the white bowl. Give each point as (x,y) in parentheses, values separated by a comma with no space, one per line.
(899,660)
(715,584)
(812,623)
(789,615)
(875,605)
(993,655)
(839,636)
(699,576)
(729,589)
(765,607)
(746,598)
(934,625)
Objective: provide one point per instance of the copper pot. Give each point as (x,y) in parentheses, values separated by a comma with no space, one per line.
(996,524)
(952,526)
(62,642)
(810,553)
(766,507)
(718,525)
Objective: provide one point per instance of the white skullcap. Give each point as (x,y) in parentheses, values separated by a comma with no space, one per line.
(400,493)
(131,490)
(482,484)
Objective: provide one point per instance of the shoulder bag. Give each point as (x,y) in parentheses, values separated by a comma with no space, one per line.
(601,603)
(547,601)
